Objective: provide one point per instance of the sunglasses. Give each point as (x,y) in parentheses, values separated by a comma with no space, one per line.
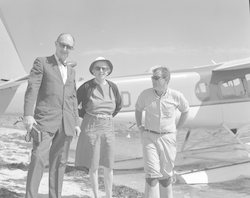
(101,68)
(156,78)
(63,45)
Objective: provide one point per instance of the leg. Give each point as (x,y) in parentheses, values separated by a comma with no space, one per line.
(151,165)
(108,181)
(166,188)
(167,157)
(58,161)
(93,175)
(39,158)
(152,188)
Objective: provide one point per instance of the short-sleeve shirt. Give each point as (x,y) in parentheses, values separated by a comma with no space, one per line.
(161,111)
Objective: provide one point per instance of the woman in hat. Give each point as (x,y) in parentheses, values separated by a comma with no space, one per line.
(100,101)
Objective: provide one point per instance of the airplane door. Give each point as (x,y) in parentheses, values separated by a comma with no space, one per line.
(235,103)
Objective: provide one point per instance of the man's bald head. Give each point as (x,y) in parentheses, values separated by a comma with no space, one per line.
(66,35)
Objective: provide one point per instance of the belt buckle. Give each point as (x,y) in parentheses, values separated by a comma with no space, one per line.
(102,116)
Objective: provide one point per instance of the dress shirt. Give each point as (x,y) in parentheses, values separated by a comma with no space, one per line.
(63,69)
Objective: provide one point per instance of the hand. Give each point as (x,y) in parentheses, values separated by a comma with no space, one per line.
(77,131)
(28,121)
(141,130)
(174,178)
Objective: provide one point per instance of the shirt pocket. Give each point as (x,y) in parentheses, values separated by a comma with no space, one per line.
(168,110)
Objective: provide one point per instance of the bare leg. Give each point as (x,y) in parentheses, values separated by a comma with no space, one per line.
(93,175)
(166,188)
(152,188)
(108,181)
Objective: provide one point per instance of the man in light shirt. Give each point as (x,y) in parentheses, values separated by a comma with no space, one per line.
(158,136)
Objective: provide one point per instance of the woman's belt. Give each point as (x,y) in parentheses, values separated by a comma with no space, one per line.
(100,116)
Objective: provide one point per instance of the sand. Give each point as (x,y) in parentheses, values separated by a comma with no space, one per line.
(14,159)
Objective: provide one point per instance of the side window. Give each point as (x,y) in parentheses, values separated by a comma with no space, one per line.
(232,88)
(202,91)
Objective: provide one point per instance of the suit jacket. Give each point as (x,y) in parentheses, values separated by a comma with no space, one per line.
(48,99)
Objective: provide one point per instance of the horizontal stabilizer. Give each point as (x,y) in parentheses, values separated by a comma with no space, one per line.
(13,82)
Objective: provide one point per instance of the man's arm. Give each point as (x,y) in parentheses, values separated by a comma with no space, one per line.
(34,83)
(76,114)
(138,118)
(182,120)
(77,121)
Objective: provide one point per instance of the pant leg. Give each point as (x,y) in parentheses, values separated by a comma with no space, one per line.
(151,165)
(58,160)
(39,158)
(167,154)
(151,155)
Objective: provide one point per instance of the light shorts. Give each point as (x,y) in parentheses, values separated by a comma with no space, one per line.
(159,152)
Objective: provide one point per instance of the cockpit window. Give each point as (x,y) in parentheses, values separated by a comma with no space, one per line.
(202,91)
(232,88)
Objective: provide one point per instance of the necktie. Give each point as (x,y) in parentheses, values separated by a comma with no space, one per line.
(63,63)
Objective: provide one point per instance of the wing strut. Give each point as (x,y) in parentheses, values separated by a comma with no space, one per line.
(238,137)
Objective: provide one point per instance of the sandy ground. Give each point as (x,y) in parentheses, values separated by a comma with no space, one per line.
(14,158)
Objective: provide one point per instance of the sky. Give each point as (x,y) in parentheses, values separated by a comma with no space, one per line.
(133,34)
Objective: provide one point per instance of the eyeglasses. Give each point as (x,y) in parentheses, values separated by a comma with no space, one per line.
(63,45)
(156,78)
(97,68)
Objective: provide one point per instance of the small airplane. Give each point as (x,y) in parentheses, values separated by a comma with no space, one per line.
(218,94)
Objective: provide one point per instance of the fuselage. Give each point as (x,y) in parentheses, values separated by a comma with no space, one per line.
(215,97)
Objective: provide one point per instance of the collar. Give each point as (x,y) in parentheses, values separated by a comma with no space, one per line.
(60,62)
(163,94)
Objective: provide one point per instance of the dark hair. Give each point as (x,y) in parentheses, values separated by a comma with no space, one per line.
(165,72)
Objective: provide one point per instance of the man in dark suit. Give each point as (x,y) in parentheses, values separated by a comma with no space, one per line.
(51,104)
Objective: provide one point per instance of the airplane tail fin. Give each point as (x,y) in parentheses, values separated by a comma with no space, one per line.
(11,66)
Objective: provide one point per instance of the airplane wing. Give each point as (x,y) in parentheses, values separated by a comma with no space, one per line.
(17,81)
(13,82)
(233,65)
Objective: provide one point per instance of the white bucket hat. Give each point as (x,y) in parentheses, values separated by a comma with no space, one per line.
(101,59)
